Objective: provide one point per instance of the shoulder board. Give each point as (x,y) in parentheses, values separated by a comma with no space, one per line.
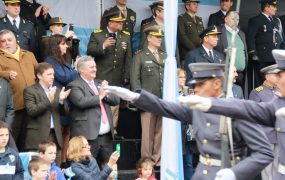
(97,30)
(4,19)
(259,89)
(45,37)
(26,21)
(126,32)
(139,51)
(198,17)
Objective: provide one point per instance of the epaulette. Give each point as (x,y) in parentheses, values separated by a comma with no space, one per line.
(45,37)
(4,19)
(27,21)
(259,89)
(138,51)
(97,30)
(126,32)
(198,17)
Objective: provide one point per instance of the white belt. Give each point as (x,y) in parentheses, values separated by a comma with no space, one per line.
(210,161)
(281,168)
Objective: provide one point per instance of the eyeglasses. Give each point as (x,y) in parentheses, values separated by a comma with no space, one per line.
(86,146)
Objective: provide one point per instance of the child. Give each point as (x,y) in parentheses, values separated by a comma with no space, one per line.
(47,151)
(10,163)
(39,168)
(145,170)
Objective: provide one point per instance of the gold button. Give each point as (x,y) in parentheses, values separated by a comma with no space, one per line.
(238,158)
(205,141)
(278,129)
(205,171)
(208,125)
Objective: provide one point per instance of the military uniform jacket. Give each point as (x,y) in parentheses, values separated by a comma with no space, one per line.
(265,93)
(113,63)
(199,55)
(147,72)
(206,127)
(217,19)
(262,37)
(188,33)
(129,23)
(262,113)
(25,35)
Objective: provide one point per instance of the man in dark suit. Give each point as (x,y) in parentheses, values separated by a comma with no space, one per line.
(90,109)
(218,18)
(263,35)
(205,53)
(43,103)
(282,18)
(129,14)
(23,29)
(227,30)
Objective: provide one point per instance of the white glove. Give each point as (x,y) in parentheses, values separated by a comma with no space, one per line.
(280,112)
(196,102)
(122,93)
(225,174)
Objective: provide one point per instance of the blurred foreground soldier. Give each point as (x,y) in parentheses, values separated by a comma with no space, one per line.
(267,92)
(269,114)
(282,18)
(17,66)
(189,28)
(111,48)
(207,80)
(218,18)
(206,52)
(23,29)
(263,35)
(147,73)
(129,14)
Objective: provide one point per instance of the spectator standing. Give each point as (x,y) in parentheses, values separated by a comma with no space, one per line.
(44,103)
(23,29)
(90,109)
(17,66)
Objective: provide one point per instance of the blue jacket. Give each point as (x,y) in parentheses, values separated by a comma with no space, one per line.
(59,174)
(89,169)
(11,159)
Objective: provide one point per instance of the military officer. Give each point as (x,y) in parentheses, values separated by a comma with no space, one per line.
(205,53)
(207,80)
(149,19)
(130,15)
(147,73)
(263,35)
(23,29)
(189,28)
(111,49)
(218,18)
(269,114)
(265,93)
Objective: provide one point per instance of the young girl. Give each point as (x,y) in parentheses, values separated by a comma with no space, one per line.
(145,169)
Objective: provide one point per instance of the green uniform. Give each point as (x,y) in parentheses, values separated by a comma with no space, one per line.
(129,23)
(147,72)
(188,33)
(113,63)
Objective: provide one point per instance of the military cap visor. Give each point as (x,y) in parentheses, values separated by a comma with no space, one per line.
(279,56)
(270,69)
(270,2)
(56,20)
(115,16)
(154,30)
(203,71)
(157,5)
(189,1)
(11,1)
(212,30)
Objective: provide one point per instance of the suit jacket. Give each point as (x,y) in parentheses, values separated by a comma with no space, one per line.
(188,33)
(7,110)
(217,19)
(261,38)
(206,130)
(113,63)
(282,19)
(25,34)
(129,23)
(85,109)
(199,55)
(40,110)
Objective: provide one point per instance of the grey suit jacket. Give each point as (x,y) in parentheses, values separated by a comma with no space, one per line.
(206,128)
(85,109)
(39,110)
(7,110)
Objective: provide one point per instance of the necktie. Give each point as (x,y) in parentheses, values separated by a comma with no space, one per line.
(124,11)
(14,24)
(104,117)
(211,56)
(271,19)
(155,53)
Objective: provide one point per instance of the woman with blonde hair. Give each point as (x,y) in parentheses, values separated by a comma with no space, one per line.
(83,164)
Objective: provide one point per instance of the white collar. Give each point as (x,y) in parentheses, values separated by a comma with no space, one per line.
(11,19)
(231,30)
(207,50)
